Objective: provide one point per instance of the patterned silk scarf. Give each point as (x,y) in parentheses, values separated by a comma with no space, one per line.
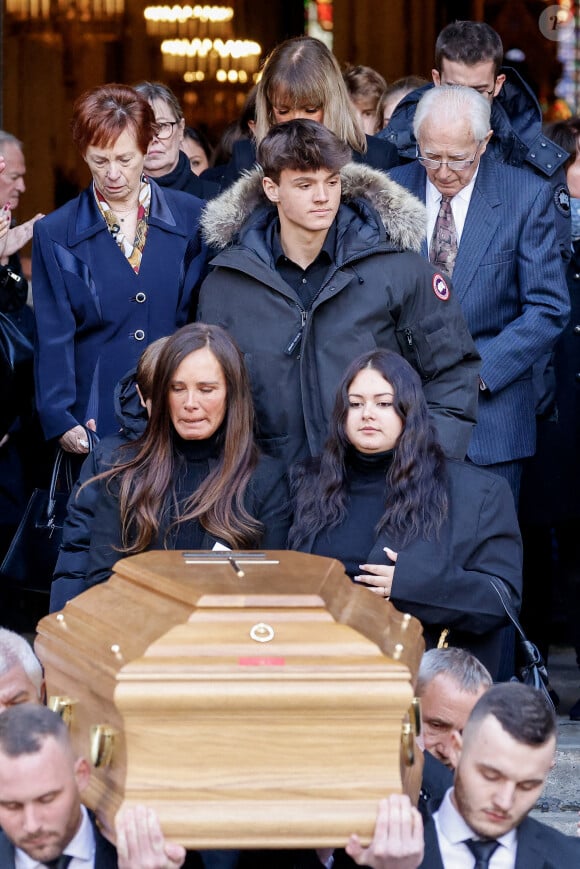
(132,250)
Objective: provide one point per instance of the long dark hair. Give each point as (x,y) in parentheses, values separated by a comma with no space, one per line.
(146,481)
(416,503)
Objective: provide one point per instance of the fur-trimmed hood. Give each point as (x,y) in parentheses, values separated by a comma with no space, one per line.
(402,214)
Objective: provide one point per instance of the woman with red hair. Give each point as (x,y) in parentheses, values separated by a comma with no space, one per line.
(112,270)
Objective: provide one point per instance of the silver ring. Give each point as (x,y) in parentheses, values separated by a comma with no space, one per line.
(83,442)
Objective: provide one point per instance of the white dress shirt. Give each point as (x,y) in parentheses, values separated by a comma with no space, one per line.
(81,847)
(459,206)
(452,831)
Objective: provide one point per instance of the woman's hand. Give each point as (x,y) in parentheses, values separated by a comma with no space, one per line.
(75,439)
(379,577)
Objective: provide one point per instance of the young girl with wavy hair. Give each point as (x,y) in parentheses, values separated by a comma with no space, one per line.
(422,530)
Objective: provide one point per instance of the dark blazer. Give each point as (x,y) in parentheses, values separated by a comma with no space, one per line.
(94,315)
(105,853)
(509,280)
(539,847)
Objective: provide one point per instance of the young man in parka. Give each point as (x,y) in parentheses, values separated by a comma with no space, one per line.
(318,263)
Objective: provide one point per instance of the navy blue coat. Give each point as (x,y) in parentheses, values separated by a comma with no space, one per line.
(509,280)
(94,315)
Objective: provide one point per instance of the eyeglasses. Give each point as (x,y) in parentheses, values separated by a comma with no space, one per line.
(165,129)
(455,165)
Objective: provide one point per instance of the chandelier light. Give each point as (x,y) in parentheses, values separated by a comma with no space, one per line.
(189,22)
(231,61)
(48,17)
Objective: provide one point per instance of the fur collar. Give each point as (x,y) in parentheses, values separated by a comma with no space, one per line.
(403,215)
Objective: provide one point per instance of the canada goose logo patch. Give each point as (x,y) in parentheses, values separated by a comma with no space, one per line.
(440,287)
(562,200)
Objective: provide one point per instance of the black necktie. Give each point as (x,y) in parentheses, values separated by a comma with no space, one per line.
(59,862)
(482,849)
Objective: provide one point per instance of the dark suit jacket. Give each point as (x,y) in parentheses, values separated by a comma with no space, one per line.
(105,853)
(539,847)
(509,280)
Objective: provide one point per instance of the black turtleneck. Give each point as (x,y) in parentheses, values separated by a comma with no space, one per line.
(182,178)
(366,486)
(193,461)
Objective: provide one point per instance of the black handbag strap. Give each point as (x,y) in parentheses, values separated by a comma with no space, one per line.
(533,667)
(500,589)
(63,472)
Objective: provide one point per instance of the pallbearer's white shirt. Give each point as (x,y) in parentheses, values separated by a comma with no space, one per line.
(452,831)
(81,847)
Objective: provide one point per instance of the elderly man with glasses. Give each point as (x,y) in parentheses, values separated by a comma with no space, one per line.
(470,53)
(491,227)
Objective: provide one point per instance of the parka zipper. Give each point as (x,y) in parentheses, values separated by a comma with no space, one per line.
(298,337)
(293,344)
(413,347)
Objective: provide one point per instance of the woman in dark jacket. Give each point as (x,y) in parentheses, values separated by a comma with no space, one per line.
(195,479)
(113,269)
(165,160)
(425,532)
(301,78)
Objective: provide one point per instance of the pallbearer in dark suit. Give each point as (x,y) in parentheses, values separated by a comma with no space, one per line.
(507,270)
(506,754)
(42,820)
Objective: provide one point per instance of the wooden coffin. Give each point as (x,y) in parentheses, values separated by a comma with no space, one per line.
(253,702)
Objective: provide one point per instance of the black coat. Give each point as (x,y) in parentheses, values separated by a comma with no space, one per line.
(266,499)
(445,582)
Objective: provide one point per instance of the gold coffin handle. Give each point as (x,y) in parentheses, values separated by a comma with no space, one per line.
(102,744)
(415,715)
(408,743)
(63,706)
